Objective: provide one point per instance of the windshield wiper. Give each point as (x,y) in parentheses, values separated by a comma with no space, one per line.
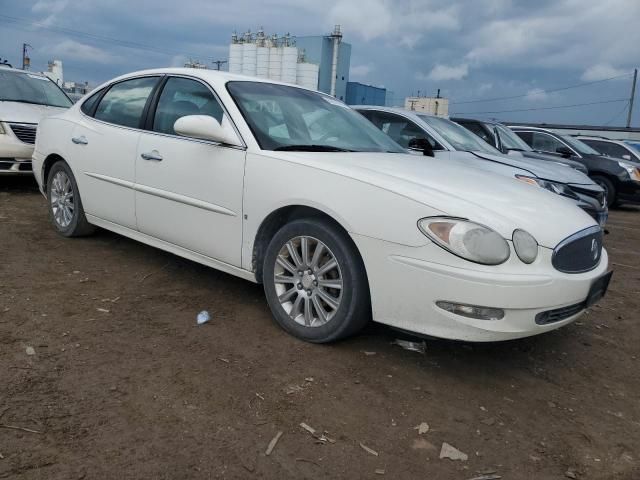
(311,148)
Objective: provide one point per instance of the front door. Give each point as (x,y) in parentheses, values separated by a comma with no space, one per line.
(189,191)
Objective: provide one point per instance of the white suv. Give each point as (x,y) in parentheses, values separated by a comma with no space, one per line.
(25,98)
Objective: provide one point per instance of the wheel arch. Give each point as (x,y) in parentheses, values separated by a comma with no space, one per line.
(280,217)
(48,162)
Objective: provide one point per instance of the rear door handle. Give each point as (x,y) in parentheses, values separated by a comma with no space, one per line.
(154,156)
(82,140)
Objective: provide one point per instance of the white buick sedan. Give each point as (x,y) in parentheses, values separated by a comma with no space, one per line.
(290,188)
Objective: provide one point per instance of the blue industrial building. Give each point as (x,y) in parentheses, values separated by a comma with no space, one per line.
(361,94)
(319,50)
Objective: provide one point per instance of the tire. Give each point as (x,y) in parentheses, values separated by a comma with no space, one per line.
(296,302)
(64,203)
(609,189)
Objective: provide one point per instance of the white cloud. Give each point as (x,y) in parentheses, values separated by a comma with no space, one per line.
(445,72)
(51,8)
(360,71)
(536,95)
(601,71)
(76,51)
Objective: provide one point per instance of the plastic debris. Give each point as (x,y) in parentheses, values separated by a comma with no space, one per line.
(323,438)
(487,477)
(452,453)
(30,351)
(272,444)
(368,450)
(203,317)
(422,428)
(418,347)
(103,310)
(379,471)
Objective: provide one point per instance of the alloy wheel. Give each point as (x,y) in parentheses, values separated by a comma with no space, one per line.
(308,281)
(62,201)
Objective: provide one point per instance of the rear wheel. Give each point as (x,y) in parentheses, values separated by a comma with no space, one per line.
(65,207)
(609,189)
(315,282)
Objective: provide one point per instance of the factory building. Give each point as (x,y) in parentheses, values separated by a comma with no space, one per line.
(362,94)
(317,62)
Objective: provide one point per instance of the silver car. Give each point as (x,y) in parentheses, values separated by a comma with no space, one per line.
(438,136)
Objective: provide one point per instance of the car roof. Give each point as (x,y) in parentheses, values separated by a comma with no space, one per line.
(596,137)
(24,72)
(213,77)
(400,110)
(525,127)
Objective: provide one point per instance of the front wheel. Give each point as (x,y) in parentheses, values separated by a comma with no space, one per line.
(609,189)
(315,282)
(65,206)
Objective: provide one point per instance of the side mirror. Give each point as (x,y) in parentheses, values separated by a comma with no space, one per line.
(421,145)
(564,151)
(204,127)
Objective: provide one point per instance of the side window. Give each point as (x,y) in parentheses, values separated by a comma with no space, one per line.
(88,107)
(124,103)
(545,143)
(526,137)
(402,130)
(607,148)
(181,97)
(479,131)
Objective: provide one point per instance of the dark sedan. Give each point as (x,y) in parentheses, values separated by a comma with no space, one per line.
(619,178)
(504,139)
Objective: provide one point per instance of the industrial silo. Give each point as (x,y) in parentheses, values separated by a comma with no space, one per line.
(275,59)
(307,75)
(249,59)
(289,64)
(235,58)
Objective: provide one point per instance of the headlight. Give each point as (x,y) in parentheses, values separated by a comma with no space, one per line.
(525,245)
(632,170)
(554,187)
(466,239)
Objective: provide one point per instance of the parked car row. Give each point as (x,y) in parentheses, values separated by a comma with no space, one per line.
(328,209)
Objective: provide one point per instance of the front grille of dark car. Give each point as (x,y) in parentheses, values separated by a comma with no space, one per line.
(25,132)
(559,314)
(599,196)
(580,252)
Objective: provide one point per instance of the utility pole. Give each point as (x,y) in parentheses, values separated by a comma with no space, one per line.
(219,63)
(26,61)
(633,96)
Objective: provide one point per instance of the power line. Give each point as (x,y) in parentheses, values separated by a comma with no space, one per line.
(545,108)
(560,89)
(102,38)
(624,107)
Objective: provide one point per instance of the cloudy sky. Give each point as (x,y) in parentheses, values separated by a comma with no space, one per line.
(473,50)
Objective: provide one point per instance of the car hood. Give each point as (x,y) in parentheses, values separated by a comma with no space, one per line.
(557,160)
(455,188)
(553,172)
(26,112)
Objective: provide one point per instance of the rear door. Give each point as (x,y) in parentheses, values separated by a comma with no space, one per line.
(189,191)
(104,145)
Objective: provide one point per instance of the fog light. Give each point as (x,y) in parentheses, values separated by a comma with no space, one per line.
(472,311)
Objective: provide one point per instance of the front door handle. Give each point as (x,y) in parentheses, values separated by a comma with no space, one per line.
(153,155)
(81,140)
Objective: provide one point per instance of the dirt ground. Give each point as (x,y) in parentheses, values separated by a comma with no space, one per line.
(123,383)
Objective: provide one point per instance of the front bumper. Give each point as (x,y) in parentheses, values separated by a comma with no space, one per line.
(406,283)
(15,155)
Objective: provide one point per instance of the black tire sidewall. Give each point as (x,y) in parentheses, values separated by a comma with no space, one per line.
(354,309)
(609,188)
(72,228)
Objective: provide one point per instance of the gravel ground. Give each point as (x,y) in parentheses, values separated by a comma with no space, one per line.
(105,374)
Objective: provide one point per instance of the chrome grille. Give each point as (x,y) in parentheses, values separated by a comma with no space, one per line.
(26,132)
(580,252)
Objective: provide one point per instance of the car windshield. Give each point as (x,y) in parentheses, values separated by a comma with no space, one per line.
(459,137)
(510,140)
(28,88)
(289,118)
(576,144)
